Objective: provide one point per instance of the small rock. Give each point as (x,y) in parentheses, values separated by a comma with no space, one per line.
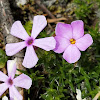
(21,2)
(49,2)
(58,15)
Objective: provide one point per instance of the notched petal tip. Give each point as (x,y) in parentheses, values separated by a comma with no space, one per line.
(64,30)
(39,23)
(25,81)
(71,54)
(13,48)
(18,30)
(77,21)
(58,24)
(84,42)
(16,22)
(40,17)
(78,29)
(29,65)
(3,77)
(7,50)
(11,68)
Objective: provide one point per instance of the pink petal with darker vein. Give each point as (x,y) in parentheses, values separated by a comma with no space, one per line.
(3,77)
(39,23)
(18,30)
(11,68)
(14,48)
(71,54)
(78,29)
(30,59)
(64,30)
(84,42)
(3,88)
(23,81)
(47,43)
(14,94)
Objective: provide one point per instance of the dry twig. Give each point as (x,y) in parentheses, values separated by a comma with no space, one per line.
(97,96)
(38,2)
(55,20)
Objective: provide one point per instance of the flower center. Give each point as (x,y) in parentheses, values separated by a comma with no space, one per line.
(30,41)
(10,81)
(72,41)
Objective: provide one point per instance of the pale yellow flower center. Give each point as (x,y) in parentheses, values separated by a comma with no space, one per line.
(72,41)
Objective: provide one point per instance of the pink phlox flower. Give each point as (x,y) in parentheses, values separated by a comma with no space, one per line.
(48,43)
(71,40)
(10,82)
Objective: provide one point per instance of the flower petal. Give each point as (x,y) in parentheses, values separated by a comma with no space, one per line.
(61,44)
(14,48)
(11,68)
(13,93)
(84,42)
(71,54)
(30,59)
(64,30)
(39,24)
(78,96)
(18,30)
(78,29)
(3,77)
(3,88)
(23,81)
(47,43)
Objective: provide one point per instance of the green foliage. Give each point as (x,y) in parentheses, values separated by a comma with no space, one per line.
(3,58)
(84,9)
(28,27)
(64,79)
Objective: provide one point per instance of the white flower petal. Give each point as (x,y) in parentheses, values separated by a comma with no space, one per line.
(5,98)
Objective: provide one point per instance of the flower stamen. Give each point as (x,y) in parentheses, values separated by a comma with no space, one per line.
(30,41)
(72,41)
(10,81)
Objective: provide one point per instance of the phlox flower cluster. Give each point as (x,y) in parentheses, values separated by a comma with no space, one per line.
(69,40)
(17,30)
(10,82)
